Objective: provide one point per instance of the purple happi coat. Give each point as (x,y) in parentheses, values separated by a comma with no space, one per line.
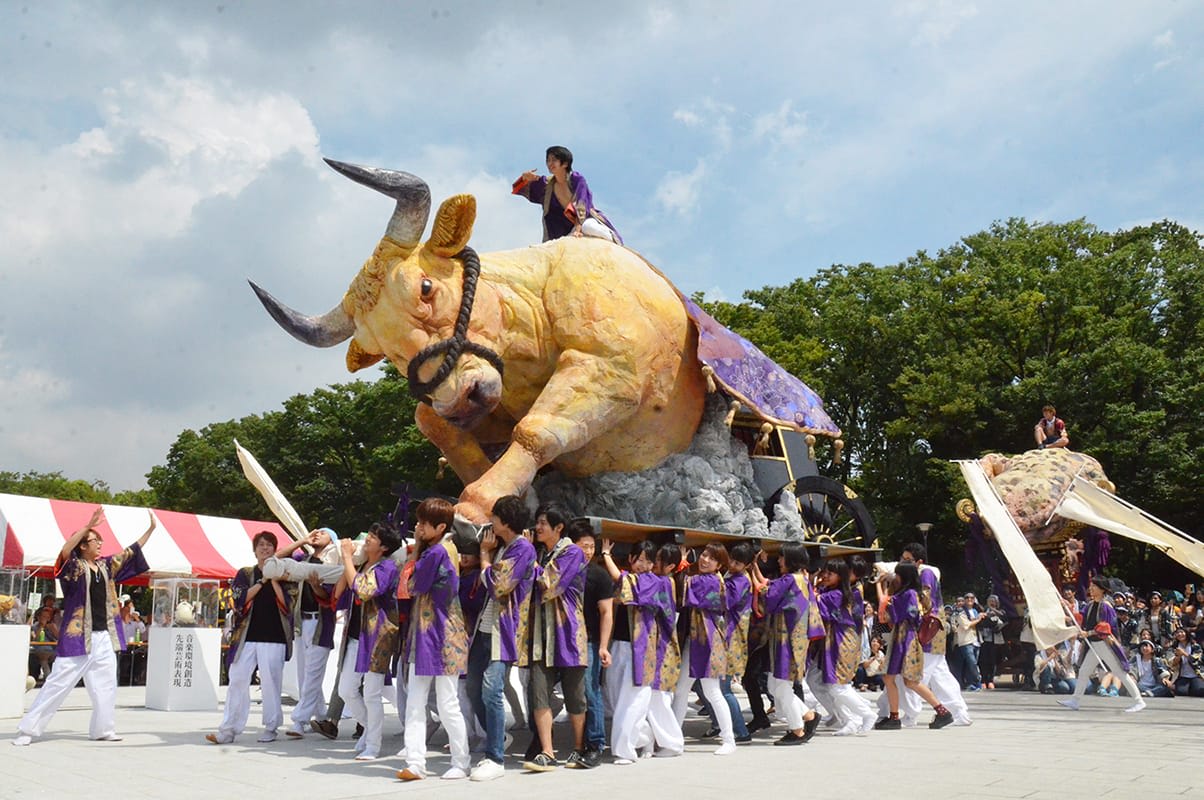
(375,590)
(556,223)
(1107,613)
(558,634)
(438,640)
(906,658)
(930,581)
(738,589)
(706,598)
(794,623)
(509,580)
(244,579)
(650,609)
(75,632)
(324,634)
(842,643)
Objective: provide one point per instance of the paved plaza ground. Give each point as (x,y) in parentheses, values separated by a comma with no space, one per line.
(1022,745)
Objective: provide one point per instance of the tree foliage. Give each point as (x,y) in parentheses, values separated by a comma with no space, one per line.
(54,484)
(335,453)
(952,355)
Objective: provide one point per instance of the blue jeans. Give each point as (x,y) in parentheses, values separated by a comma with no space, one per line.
(970,677)
(739,728)
(486,686)
(595,713)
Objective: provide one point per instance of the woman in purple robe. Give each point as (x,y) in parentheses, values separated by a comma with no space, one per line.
(789,601)
(568,204)
(1103,648)
(705,598)
(899,605)
(371,635)
(89,635)
(840,608)
(647,600)
(437,648)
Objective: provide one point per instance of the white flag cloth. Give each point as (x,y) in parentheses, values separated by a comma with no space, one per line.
(1045,612)
(1098,507)
(276,501)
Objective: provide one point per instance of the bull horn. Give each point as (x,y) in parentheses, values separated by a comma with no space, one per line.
(333,327)
(412,194)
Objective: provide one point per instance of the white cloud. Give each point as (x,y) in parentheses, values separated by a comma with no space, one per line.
(936,21)
(784,127)
(1165,40)
(678,193)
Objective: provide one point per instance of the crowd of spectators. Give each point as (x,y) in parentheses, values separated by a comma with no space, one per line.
(1162,634)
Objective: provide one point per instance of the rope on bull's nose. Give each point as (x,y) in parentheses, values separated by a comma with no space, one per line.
(454,347)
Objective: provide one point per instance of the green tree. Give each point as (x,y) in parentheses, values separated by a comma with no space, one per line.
(335,453)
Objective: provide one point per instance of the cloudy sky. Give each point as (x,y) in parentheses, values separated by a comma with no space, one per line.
(155,155)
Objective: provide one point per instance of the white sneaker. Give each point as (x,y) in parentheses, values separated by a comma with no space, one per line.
(908,722)
(1072,704)
(962,722)
(108,737)
(267,737)
(366,755)
(849,730)
(726,749)
(867,724)
(454,774)
(487,770)
(21,740)
(219,738)
(1133,709)
(297,731)
(623,762)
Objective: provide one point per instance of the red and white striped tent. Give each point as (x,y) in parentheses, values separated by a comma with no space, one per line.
(33,530)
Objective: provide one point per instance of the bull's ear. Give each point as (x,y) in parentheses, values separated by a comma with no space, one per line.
(453,225)
(358,358)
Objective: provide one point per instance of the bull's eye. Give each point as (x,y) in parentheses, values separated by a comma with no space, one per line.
(427,287)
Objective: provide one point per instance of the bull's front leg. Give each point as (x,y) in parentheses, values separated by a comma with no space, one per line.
(586,396)
(461,449)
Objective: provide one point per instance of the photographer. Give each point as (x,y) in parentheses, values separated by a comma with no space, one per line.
(965,627)
(990,631)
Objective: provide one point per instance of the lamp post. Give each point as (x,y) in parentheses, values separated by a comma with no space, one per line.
(923,528)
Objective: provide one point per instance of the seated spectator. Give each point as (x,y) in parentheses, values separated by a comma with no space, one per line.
(1186,665)
(869,673)
(1150,672)
(131,621)
(41,655)
(1053,672)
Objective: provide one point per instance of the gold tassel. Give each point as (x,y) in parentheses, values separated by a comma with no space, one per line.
(810,440)
(709,374)
(837,450)
(442,466)
(762,445)
(731,413)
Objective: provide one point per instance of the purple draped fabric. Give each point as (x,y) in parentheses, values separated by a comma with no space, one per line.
(75,632)
(754,379)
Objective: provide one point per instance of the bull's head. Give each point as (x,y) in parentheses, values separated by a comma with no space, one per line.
(406,298)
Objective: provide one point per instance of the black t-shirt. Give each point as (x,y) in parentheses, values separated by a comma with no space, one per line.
(598,587)
(265,623)
(99,601)
(309,603)
(621,631)
(353,619)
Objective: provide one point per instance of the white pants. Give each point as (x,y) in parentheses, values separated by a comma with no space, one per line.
(368,709)
(311,670)
(269,657)
(719,707)
(787,702)
(98,668)
(419,689)
(940,680)
(848,705)
(819,694)
(594,228)
(1097,654)
(642,714)
(681,692)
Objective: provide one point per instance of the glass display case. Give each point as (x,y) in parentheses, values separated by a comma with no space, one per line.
(185,603)
(14,597)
